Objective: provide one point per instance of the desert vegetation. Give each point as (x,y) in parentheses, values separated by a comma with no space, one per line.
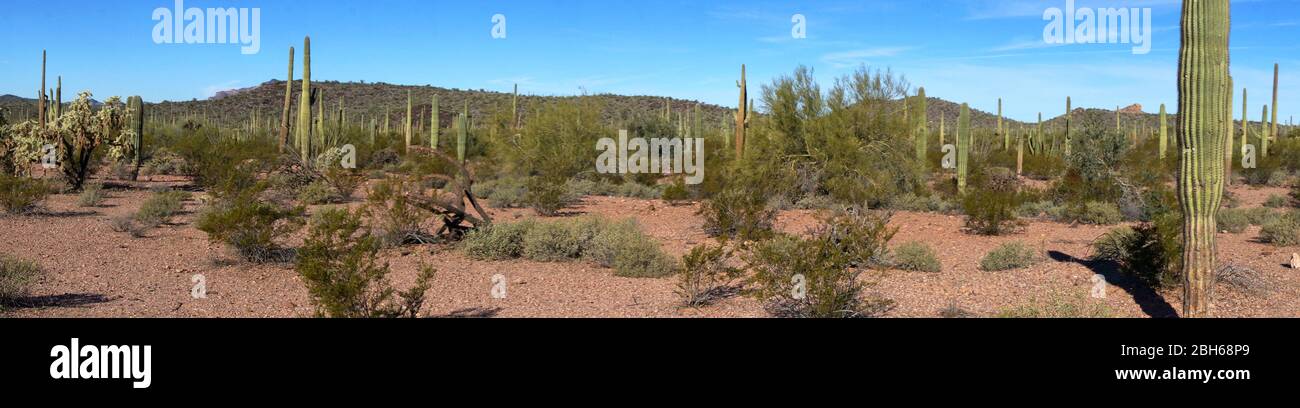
(863,197)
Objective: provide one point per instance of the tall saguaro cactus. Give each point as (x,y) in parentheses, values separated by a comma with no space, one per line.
(433,123)
(409,112)
(288,100)
(1228,128)
(1263,133)
(1202,81)
(58,97)
(304,104)
(1006,137)
(742,114)
(1245,121)
(1164,133)
(135,108)
(922,128)
(1273,129)
(963,147)
(1069,113)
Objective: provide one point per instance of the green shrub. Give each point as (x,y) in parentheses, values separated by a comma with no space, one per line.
(160,208)
(338,263)
(991,208)
(916,256)
(503,192)
(1261,216)
(623,247)
(318,192)
(632,189)
(1283,232)
(497,242)
(1044,208)
(547,195)
(551,242)
(250,225)
(92,195)
(394,218)
(164,162)
(21,195)
(915,203)
(676,192)
(1276,201)
(736,213)
(1232,220)
(705,277)
(1095,213)
(1151,252)
(819,276)
(1008,256)
(1057,306)
(16,275)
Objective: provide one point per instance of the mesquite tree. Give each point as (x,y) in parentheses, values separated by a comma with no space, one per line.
(1202,84)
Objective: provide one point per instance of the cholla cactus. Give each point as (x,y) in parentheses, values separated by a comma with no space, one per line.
(77,133)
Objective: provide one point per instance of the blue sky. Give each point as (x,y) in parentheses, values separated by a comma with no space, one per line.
(963,50)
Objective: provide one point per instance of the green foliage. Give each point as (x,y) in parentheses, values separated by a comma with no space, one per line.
(318,192)
(250,225)
(92,195)
(1232,220)
(1285,231)
(1008,256)
(705,277)
(1057,306)
(21,195)
(915,203)
(1151,252)
(338,263)
(1277,201)
(394,218)
(1095,213)
(547,195)
(618,245)
(16,275)
(497,242)
(160,208)
(991,209)
(819,276)
(551,242)
(916,256)
(632,254)
(676,192)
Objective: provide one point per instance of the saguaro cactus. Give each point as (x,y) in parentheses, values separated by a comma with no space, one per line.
(1273,128)
(1228,128)
(1164,133)
(409,113)
(1006,137)
(304,105)
(1020,151)
(742,114)
(433,123)
(922,128)
(288,100)
(963,147)
(941,130)
(462,136)
(135,108)
(1263,133)
(1069,113)
(1245,121)
(1042,142)
(1203,79)
(514,107)
(58,97)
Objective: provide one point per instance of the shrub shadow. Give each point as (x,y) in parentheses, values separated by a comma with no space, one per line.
(63,300)
(1147,298)
(471,313)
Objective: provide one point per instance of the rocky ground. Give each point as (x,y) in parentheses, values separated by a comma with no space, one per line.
(92,271)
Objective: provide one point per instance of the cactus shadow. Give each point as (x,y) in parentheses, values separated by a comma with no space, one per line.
(61,300)
(1147,298)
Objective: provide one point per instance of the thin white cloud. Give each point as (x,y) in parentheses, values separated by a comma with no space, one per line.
(211,90)
(857,57)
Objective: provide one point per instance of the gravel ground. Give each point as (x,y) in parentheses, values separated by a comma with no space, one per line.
(93,271)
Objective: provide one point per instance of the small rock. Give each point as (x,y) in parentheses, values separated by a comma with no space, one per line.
(1295,261)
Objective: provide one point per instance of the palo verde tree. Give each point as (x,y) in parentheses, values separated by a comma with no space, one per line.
(1202,84)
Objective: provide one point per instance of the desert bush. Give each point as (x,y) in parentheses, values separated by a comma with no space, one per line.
(1008,256)
(508,192)
(820,276)
(551,242)
(1043,208)
(991,207)
(676,192)
(637,190)
(1278,178)
(1285,231)
(394,219)
(21,195)
(91,195)
(338,263)
(1151,252)
(1095,213)
(705,277)
(128,224)
(160,208)
(1232,220)
(917,203)
(344,181)
(1057,306)
(164,162)
(1276,201)
(318,192)
(547,195)
(632,254)
(1261,216)
(251,226)
(915,256)
(739,214)
(496,242)
(16,275)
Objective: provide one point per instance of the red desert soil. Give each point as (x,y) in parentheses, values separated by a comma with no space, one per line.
(93,271)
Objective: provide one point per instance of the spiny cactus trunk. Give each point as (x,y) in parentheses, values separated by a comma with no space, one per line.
(1164,133)
(1263,133)
(963,147)
(409,112)
(304,105)
(135,105)
(1069,113)
(514,107)
(1020,151)
(1245,121)
(1202,81)
(40,105)
(433,123)
(1273,128)
(1006,137)
(462,136)
(1228,128)
(742,114)
(58,98)
(921,128)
